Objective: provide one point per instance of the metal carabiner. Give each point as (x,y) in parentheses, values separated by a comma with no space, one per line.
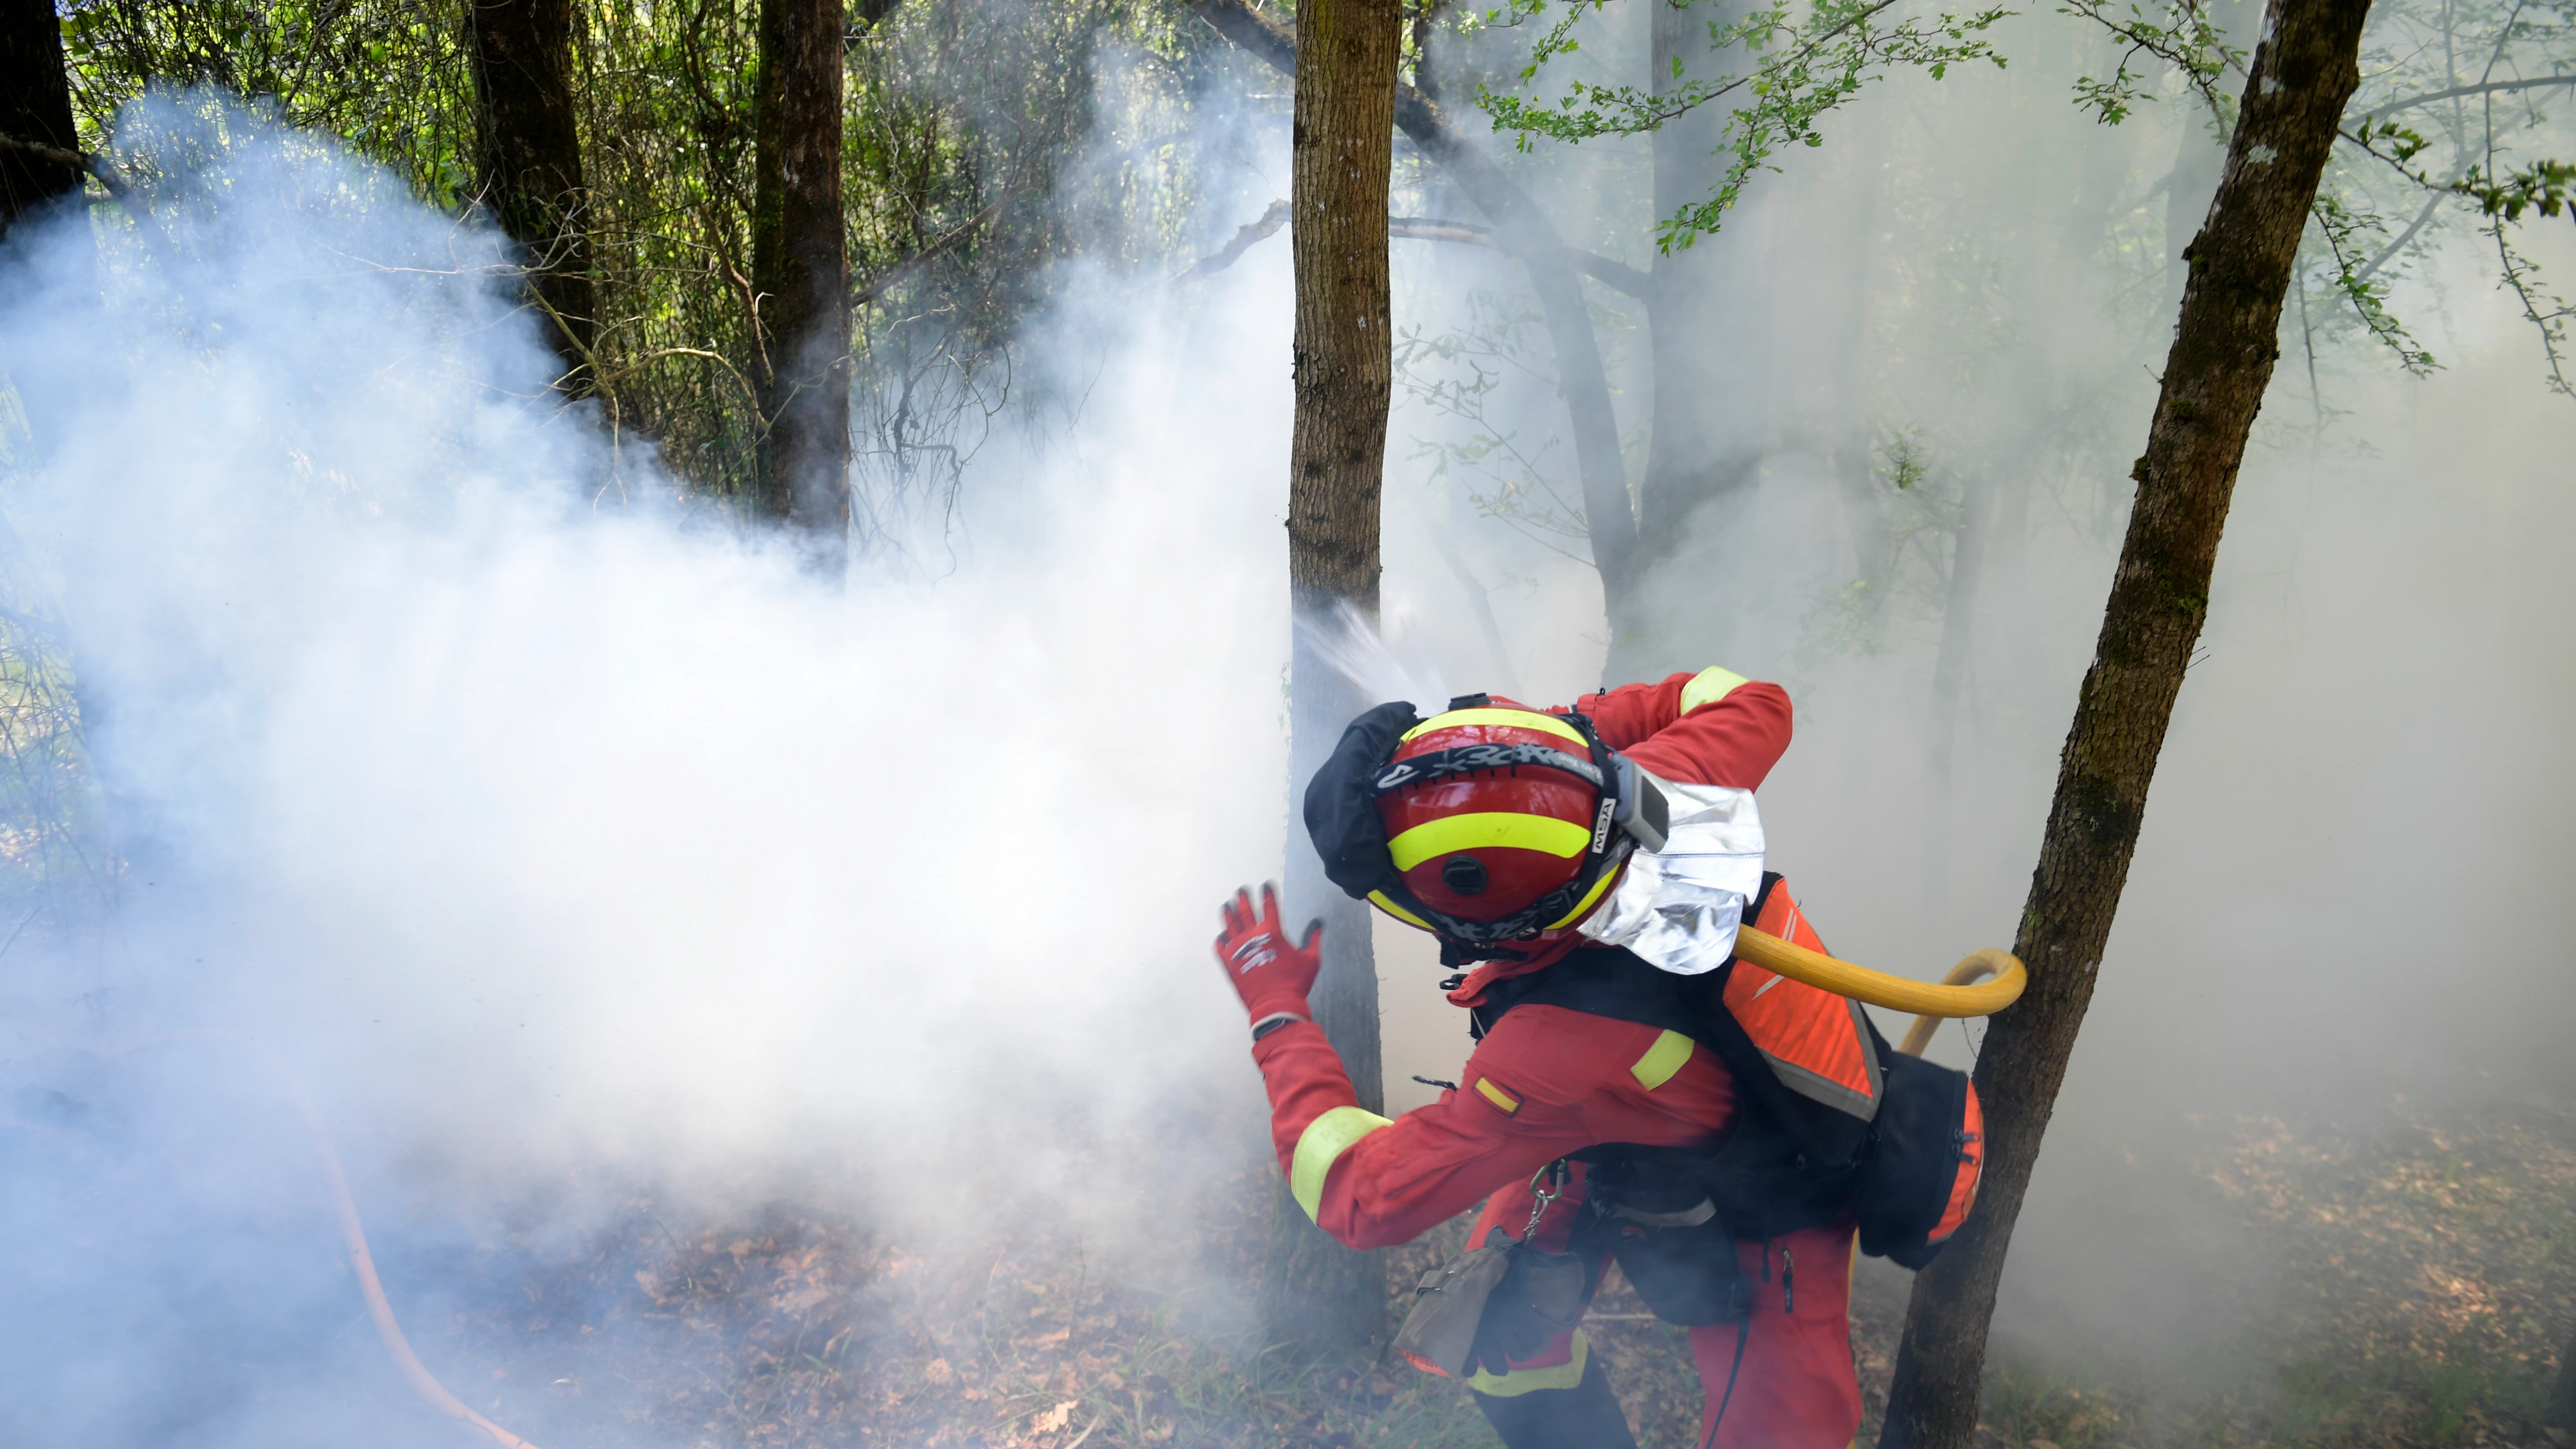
(1544,1197)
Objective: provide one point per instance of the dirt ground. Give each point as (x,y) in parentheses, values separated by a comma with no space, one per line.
(2427,1285)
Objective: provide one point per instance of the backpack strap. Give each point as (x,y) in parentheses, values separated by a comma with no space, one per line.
(1614,982)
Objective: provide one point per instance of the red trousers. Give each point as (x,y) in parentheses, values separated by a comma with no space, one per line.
(1795,1388)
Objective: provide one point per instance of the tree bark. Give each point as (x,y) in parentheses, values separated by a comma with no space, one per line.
(801,273)
(1326,1299)
(1524,230)
(2224,347)
(530,157)
(35,106)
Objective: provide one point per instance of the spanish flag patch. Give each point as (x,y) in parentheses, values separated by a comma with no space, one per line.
(1485,1088)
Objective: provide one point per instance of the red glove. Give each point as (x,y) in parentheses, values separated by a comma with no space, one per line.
(1270,975)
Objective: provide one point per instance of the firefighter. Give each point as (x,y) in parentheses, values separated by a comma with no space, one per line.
(1574,863)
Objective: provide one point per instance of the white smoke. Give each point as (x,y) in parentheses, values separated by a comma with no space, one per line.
(553,835)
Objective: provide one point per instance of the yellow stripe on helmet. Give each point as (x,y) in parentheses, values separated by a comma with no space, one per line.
(1488,828)
(1517,719)
(1379,900)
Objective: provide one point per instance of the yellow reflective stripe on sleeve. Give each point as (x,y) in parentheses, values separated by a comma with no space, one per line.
(1583,907)
(1379,900)
(1488,828)
(1711,685)
(1321,1145)
(1485,1088)
(1518,719)
(1665,1057)
(1530,1380)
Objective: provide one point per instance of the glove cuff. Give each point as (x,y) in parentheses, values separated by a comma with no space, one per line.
(1275,1020)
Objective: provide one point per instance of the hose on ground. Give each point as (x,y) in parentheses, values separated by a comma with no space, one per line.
(354,1235)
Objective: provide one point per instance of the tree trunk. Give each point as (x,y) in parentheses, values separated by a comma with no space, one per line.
(530,157)
(801,272)
(2224,347)
(1523,229)
(35,106)
(1319,1295)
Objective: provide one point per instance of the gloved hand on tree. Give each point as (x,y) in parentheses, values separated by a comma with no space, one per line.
(1271,975)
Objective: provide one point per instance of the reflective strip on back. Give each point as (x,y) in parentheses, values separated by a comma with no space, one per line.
(1512,719)
(1816,1042)
(1486,1089)
(1709,686)
(1670,1053)
(1518,1381)
(1321,1145)
(1488,828)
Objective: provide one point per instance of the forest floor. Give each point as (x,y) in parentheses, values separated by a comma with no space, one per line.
(2425,1278)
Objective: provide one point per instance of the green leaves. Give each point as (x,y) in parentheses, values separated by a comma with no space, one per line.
(2542,185)
(2339,224)
(1809,58)
(2183,37)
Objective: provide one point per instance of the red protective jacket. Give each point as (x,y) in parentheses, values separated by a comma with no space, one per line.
(1548,1081)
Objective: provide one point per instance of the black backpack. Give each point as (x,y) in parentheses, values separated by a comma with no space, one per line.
(1672,1214)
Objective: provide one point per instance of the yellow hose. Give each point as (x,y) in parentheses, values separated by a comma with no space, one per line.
(1934,1004)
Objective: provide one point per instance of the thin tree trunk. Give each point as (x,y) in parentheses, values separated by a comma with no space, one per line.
(530,158)
(1703,439)
(1319,1295)
(2223,351)
(35,106)
(800,269)
(1524,230)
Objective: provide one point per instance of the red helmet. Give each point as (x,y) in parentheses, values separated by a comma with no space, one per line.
(1486,823)
(1483,844)
(1498,822)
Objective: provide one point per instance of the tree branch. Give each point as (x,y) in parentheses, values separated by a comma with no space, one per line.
(1618,276)
(955,236)
(1244,236)
(1263,38)
(2429,97)
(97,167)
